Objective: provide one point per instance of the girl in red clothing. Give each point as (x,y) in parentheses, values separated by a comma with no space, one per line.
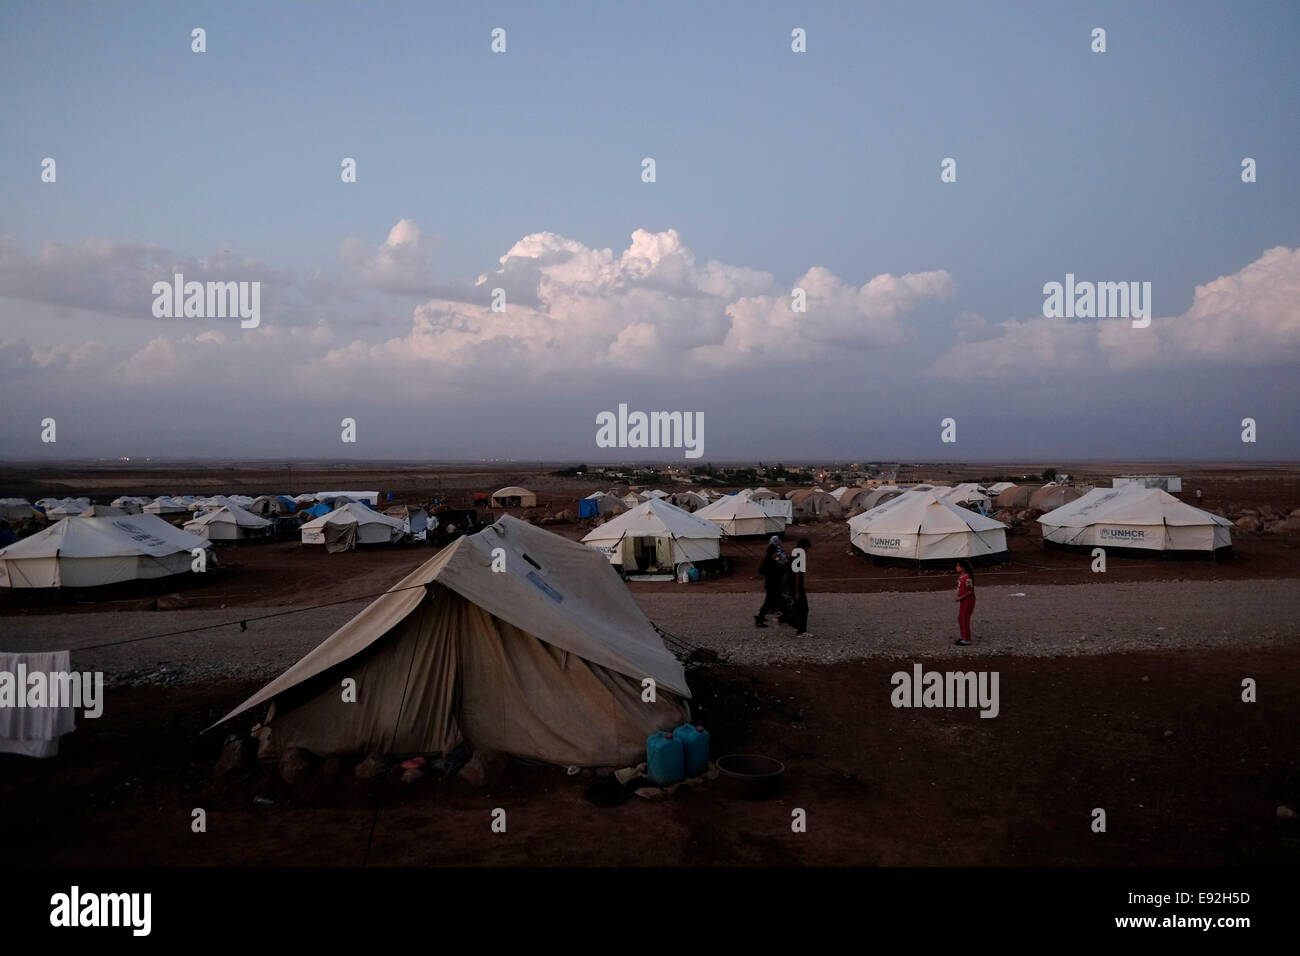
(965,600)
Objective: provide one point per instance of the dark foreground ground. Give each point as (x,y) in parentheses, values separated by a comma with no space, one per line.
(1187,774)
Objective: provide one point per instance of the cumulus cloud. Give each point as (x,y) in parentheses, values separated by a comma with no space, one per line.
(651,309)
(403,263)
(1251,317)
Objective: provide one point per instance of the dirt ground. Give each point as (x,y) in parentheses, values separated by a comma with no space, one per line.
(1152,730)
(1187,774)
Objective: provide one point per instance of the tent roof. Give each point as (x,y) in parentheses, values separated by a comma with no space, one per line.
(921,512)
(1129,504)
(230,514)
(732,506)
(352,513)
(655,518)
(560,592)
(511,491)
(105,538)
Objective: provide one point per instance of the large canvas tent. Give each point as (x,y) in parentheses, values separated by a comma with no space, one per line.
(15,509)
(88,552)
(656,535)
(514,497)
(923,526)
(966,493)
(1017,496)
(1050,497)
(1134,516)
(228,523)
(166,506)
(739,516)
(691,501)
(811,504)
(544,660)
(600,503)
(350,525)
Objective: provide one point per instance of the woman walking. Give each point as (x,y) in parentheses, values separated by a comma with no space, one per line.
(965,600)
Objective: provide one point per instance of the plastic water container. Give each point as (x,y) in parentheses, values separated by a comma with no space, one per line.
(695,743)
(665,758)
(694,573)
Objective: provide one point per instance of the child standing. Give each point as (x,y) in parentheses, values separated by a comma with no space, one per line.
(965,600)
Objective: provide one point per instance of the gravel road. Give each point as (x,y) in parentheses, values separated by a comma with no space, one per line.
(1030,621)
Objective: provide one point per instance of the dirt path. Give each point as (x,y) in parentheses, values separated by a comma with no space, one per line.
(1045,622)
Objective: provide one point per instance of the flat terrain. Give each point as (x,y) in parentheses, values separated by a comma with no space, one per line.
(1119,690)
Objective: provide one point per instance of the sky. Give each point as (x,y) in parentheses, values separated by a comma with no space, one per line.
(774,170)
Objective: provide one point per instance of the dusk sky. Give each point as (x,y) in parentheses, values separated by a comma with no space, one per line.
(774,169)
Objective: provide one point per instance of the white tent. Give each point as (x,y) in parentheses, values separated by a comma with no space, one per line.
(56,508)
(689,500)
(922,526)
(125,501)
(542,660)
(369,497)
(838,493)
(656,493)
(513,496)
(350,525)
(656,534)
(605,503)
(227,523)
(1134,516)
(87,552)
(269,505)
(106,511)
(1053,496)
(741,516)
(966,493)
(773,505)
(166,506)
(811,504)
(997,488)
(15,509)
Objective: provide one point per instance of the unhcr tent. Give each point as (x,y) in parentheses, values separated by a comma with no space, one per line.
(656,493)
(228,523)
(923,526)
(544,661)
(878,496)
(764,494)
(272,505)
(415,520)
(1017,496)
(776,507)
(88,552)
(811,504)
(996,489)
(854,500)
(166,506)
(514,497)
(126,501)
(966,493)
(1133,516)
(56,508)
(599,503)
(105,511)
(690,501)
(1051,497)
(15,509)
(656,535)
(350,525)
(739,516)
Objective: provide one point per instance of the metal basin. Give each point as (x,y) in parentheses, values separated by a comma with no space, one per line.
(750,776)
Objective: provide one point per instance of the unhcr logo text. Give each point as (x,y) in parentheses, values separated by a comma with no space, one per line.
(651,430)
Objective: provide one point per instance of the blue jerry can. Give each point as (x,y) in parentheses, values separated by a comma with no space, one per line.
(695,742)
(665,758)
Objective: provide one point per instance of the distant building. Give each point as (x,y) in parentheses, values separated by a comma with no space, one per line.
(1169,483)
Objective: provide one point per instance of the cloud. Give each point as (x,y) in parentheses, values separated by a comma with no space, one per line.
(1249,318)
(403,263)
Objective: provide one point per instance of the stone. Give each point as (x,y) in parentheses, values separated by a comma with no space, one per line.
(373,766)
(296,764)
(233,756)
(1248,523)
(484,768)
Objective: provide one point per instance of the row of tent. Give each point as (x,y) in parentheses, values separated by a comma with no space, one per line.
(925,525)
